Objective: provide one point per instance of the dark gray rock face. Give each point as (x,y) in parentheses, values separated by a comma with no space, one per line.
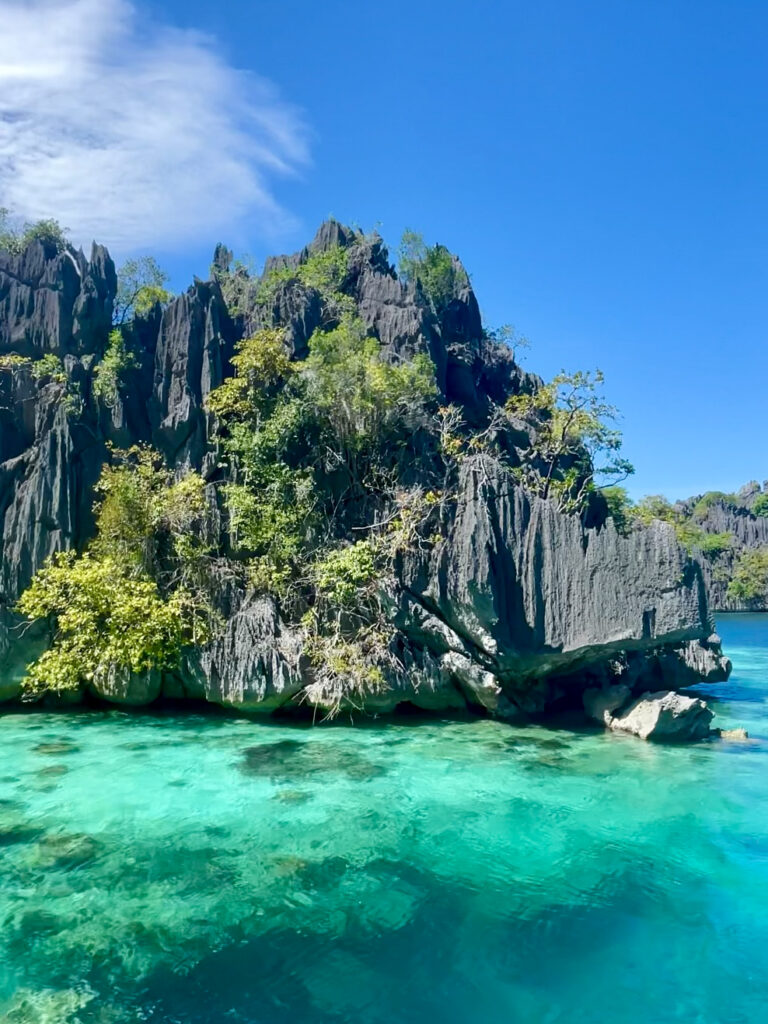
(750,533)
(58,303)
(50,464)
(470,368)
(529,594)
(256,663)
(697,661)
(195,344)
(299,311)
(518,608)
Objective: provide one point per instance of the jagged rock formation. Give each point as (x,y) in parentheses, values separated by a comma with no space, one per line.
(55,302)
(518,608)
(730,515)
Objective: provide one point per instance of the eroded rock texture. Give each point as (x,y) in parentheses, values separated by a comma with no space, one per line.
(663,716)
(517,609)
(747,532)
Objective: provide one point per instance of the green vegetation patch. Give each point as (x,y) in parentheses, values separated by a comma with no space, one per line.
(573,442)
(433,268)
(706,501)
(320,447)
(15,238)
(109,373)
(140,287)
(750,579)
(137,595)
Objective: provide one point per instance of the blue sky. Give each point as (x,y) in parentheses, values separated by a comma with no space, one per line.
(600,167)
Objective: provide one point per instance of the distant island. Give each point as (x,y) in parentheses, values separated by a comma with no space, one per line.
(326,487)
(728,533)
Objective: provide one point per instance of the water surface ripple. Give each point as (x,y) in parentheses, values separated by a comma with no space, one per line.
(197,869)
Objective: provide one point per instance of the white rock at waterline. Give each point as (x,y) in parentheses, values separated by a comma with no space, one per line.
(664,715)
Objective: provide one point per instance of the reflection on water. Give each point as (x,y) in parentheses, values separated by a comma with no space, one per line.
(202,869)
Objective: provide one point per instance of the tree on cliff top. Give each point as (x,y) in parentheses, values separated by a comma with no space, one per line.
(433,268)
(137,595)
(140,285)
(573,442)
(15,238)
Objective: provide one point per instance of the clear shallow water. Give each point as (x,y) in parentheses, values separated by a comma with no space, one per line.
(202,869)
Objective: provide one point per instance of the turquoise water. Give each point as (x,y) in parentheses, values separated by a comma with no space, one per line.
(192,869)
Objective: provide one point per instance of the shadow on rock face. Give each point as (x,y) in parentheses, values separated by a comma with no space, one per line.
(293,760)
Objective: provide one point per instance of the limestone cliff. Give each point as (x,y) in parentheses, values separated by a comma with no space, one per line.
(516,608)
(732,518)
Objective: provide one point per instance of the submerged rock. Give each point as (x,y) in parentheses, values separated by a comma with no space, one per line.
(734,735)
(66,850)
(13,833)
(47,1006)
(55,747)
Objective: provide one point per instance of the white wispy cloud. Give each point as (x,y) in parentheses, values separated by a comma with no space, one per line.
(138,135)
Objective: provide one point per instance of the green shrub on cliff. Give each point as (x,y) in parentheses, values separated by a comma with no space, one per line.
(14,238)
(48,371)
(715,544)
(433,268)
(363,406)
(711,498)
(140,286)
(149,520)
(49,367)
(137,595)
(324,272)
(318,448)
(342,416)
(105,617)
(262,366)
(620,507)
(653,506)
(8,234)
(108,375)
(750,579)
(343,573)
(760,506)
(573,442)
(689,533)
